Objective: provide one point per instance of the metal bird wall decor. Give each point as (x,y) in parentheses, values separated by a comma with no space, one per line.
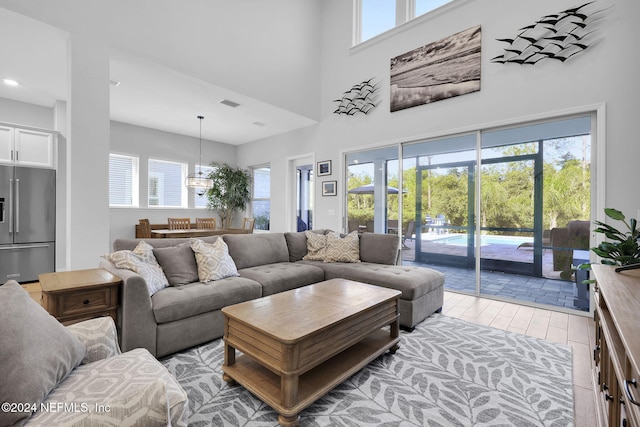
(361,98)
(558,36)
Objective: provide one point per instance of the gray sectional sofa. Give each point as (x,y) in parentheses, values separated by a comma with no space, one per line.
(179,317)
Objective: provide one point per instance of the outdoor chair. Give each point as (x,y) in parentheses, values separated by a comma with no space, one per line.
(408,233)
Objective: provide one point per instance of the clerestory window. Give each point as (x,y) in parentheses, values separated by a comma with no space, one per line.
(374,17)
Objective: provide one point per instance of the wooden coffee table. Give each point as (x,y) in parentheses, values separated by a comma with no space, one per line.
(298,345)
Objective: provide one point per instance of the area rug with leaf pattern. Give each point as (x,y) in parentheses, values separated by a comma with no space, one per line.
(447,372)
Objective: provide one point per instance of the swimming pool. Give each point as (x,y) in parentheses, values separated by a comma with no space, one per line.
(461,240)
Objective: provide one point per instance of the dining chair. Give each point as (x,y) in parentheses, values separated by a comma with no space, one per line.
(248,223)
(144,230)
(209,223)
(179,223)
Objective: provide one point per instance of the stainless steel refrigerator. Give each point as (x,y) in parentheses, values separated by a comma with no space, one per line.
(27,222)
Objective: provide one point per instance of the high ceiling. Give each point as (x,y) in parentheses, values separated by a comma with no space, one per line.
(176,60)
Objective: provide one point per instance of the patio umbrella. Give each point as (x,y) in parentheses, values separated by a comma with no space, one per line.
(368,189)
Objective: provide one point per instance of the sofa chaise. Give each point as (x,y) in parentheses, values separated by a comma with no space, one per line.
(178,317)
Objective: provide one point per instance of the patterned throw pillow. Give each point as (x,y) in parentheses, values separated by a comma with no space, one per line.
(214,261)
(142,261)
(342,249)
(316,246)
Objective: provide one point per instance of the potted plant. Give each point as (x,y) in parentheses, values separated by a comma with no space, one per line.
(230,193)
(622,249)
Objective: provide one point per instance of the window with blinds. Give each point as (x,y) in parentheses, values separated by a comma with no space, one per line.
(123,181)
(261,197)
(166,184)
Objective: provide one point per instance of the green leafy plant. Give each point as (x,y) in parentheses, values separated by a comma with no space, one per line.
(230,193)
(622,247)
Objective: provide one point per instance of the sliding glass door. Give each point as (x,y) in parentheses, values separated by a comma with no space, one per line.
(439,176)
(373,191)
(503,212)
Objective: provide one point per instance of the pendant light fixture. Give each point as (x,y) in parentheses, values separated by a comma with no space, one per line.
(196,182)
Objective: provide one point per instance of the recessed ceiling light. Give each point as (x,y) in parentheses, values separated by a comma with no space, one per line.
(114,83)
(10,82)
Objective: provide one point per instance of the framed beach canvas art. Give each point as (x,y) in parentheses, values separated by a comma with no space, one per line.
(443,69)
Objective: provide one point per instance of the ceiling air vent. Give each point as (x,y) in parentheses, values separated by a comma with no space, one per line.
(229,103)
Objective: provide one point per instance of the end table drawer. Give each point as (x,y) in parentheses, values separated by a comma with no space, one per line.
(85,302)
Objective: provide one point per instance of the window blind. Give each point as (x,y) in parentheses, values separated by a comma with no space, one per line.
(123,180)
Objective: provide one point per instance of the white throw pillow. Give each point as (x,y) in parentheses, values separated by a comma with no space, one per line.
(214,261)
(142,261)
(342,249)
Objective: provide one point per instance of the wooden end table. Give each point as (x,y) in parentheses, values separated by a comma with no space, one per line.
(298,345)
(73,296)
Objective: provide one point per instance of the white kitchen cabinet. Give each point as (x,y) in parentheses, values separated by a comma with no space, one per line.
(6,144)
(26,147)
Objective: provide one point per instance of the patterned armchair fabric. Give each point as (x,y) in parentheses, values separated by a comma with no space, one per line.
(99,336)
(114,388)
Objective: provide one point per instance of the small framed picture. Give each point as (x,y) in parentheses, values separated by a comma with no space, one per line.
(329,188)
(324,168)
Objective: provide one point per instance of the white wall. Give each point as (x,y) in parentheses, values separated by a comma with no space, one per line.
(21,113)
(606,73)
(146,143)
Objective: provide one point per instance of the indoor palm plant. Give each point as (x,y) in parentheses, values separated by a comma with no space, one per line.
(230,193)
(622,248)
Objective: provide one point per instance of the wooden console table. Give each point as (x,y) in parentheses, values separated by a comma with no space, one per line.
(617,352)
(73,296)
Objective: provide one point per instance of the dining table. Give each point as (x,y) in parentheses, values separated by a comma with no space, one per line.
(195,232)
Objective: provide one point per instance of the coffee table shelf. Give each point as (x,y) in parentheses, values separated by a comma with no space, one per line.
(296,346)
(314,383)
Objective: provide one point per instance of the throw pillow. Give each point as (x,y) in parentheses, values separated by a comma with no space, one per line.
(142,261)
(213,259)
(316,246)
(36,354)
(178,263)
(343,249)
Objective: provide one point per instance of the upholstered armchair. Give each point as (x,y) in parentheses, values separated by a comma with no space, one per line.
(565,240)
(76,375)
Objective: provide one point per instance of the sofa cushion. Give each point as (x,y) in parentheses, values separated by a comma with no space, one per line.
(108,380)
(283,276)
(249,250)
(179,302)
(379,248)
(178,263)
(214,262)
(142,261)
(130,244)
(342,248)
(36,353)
(413,282)
(297,244)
